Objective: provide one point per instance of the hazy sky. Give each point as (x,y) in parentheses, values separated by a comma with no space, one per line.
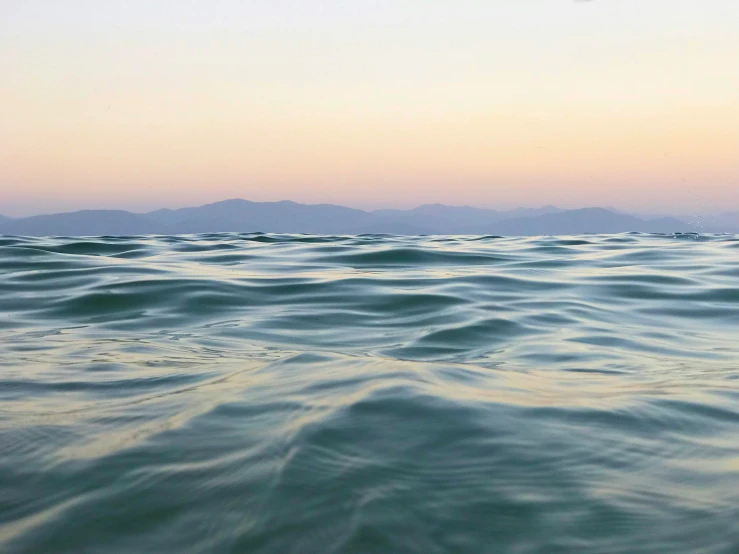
(150,103)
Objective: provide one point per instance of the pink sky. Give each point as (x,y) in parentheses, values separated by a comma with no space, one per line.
(130,105)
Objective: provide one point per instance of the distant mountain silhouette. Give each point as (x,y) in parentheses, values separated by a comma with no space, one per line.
(458,219)
(83,223)
(727,220)
(585,220)
(268,217)
(291,217)
(4,218)
(238,215)
(530,212)
(439,214)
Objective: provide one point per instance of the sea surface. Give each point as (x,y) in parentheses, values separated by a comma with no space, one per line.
(255,393)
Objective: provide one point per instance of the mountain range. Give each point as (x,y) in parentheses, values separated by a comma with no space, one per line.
(238,215)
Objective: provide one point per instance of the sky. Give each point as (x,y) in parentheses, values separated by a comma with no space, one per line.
(142,104)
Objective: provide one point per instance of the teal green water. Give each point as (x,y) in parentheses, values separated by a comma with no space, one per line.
(304,394)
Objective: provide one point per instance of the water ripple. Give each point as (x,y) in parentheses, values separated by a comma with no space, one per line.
(361,394)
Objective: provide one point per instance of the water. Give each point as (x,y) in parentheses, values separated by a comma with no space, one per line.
(304,394)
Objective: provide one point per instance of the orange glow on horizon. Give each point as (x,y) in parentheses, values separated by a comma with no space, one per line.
(590,111)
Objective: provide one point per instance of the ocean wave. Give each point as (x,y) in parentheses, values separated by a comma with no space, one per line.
(295,393)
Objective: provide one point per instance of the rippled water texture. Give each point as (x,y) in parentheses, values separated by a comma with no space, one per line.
(304,394)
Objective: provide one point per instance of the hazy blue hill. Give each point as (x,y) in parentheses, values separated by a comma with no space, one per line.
(84,223)
(585,220)
(4,218)
(441,219)
(395,227)
(165,216)
(729,220)
(238,215)
(470,214)
(292,217)
(429,224)
(456,213)
(451,218)
(444,219)
(531,212)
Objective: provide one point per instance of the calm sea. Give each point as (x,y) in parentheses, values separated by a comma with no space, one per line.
(309,394)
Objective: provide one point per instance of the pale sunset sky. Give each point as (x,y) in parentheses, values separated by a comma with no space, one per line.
(140,104)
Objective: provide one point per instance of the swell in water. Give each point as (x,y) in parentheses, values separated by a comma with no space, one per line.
(373,394)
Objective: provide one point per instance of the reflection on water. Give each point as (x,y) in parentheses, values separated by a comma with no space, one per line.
(300,394)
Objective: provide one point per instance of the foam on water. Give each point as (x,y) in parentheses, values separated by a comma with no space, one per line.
(298,394)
